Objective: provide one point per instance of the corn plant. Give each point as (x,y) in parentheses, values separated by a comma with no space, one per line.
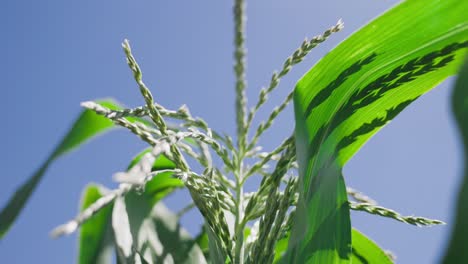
(300,212)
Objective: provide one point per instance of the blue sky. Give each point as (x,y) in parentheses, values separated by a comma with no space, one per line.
(57,54)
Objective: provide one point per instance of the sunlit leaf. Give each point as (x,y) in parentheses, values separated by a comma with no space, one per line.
(85,127)
(349,95)
(163,183)
(96,232)
(280,248)
(156,234)
(95,241)
(365,251)
(146,230)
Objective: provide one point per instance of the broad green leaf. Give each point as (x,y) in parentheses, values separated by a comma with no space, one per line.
(349,95)
(365,251)
(96,232)
(95,242)
(152,232)
(176,240)
(145,230)
(85,127)
(456,252)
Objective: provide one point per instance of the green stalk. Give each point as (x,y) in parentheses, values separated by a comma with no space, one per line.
(241,109)
(239,223)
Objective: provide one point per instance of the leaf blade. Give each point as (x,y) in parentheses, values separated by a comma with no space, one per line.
(366,251)
(352,93)
(94,241)
(156,234)
(84,128)
(96,233)
(149,230)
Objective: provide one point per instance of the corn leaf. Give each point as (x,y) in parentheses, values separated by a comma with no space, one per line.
(96,232)
(151,232)
(349,95)
(163,183)
(145,230)
(87,126)
(364,250)
(456,252)
(95,241)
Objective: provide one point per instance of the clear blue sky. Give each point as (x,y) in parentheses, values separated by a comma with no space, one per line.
(57,54)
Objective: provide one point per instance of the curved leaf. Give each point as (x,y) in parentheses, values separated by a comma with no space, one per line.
(95,242)
(353,92)
(145,230)
(96,232)
(365,251)
(85,127)
(153,233)
(456,252)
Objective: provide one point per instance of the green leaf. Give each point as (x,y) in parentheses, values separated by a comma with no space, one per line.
(163,183)
(95,242)
(151,232)
(280,248)
(349,95)
(176,240)
(365,251)
(456,252)
(145,229)
(85,127)
(96,233)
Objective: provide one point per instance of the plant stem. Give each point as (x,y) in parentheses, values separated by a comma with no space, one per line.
(241,110)
(239,223)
